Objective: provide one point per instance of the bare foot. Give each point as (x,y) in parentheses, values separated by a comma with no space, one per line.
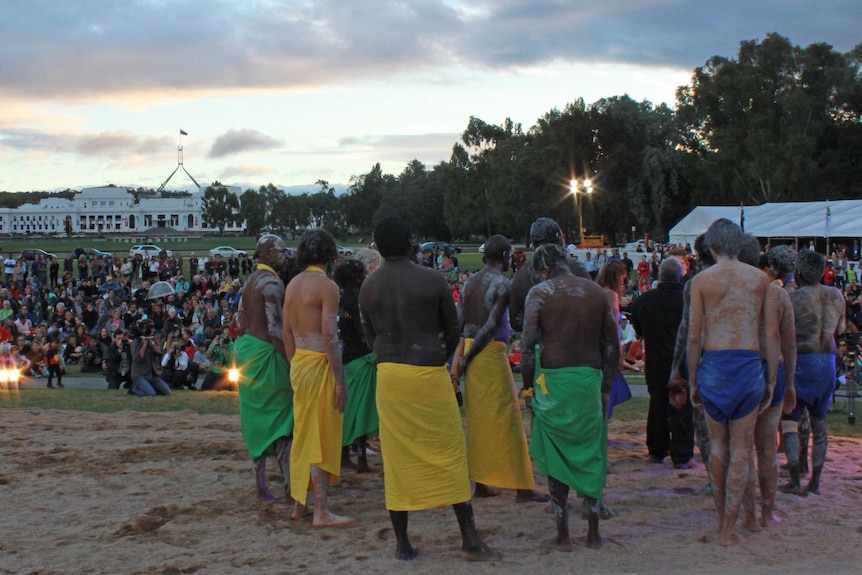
(769,519)
(300,511)
(753,525)
(531,496)
(557,545)
(732,539)
(595,540)
(407,554)
(263,494)
(480,553)
(330,519)
(485,491)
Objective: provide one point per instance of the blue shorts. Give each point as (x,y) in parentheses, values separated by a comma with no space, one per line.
(815,382)
(780,384)
(730,383)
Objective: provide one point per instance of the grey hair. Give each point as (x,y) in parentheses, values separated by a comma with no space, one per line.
(724,237)
(670,270)
(782,258)
(370,258)
(809,268)
(749,250)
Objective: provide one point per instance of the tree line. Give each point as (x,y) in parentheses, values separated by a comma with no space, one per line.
(776,123)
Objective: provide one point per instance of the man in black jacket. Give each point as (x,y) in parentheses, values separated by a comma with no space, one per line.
(656,316)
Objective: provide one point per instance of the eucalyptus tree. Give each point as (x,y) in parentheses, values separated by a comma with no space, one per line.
(219,206)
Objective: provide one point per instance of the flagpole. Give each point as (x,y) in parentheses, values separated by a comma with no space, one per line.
(828,215)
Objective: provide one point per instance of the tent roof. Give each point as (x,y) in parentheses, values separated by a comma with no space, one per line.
(780,219)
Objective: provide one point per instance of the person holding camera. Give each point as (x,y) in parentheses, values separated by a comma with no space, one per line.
(175,364)
(117,362)
(220,354)
(145,353)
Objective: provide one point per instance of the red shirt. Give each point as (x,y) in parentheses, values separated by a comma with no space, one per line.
(643,268)
(829,276)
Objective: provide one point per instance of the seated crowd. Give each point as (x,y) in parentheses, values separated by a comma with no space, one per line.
(90,319)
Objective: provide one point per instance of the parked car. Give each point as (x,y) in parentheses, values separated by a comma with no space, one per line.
(344,251)
(227,252)
(445,247)
(30,254)
(91,253)
(149,251)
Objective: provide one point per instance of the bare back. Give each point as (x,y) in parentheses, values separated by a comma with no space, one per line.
(408,314)
(727,299)
(819,312)
(565,314)
(522,281)
(481,294)
(309,314)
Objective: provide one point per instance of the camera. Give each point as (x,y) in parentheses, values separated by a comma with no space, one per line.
(225,339)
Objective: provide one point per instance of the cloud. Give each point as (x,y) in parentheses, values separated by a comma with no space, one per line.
(88,48)
(238,141)
(102,144)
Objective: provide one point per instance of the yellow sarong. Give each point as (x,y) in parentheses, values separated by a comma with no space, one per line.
(496,443)
(424,456)
(317,425)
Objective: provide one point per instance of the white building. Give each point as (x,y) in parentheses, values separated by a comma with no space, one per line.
(109,210)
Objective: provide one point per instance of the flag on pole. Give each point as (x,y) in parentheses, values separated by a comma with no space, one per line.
(828,216)
(741,216)
(183,132)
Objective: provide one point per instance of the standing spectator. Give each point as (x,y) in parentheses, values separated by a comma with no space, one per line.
(656,316)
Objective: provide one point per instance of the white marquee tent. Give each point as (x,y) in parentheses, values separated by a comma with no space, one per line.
(782,220)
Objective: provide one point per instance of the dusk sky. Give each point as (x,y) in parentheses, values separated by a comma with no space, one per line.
(289,92)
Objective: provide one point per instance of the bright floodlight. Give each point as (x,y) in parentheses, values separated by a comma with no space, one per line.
(588,184)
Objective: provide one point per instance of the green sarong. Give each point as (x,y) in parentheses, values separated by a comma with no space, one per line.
(569,440)
(265,394)
(360,411)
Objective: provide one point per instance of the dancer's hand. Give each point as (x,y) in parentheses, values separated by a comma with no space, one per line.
(340,396)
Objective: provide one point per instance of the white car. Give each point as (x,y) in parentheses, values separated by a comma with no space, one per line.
(227,252)
(149,251)
(344,251)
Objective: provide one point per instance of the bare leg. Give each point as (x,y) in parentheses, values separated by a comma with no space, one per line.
(749,499)
(594,538)
(472,548)
(322,516)
(346,462)
(282,455)
(818,454)
(560,504)
(790,435)
(701,434)
(263,493)
(718,458)
(740,438)
(804,440)
(403,549)
(767,463)
(362,459)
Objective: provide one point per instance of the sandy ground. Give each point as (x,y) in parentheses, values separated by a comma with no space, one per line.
(173,493)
